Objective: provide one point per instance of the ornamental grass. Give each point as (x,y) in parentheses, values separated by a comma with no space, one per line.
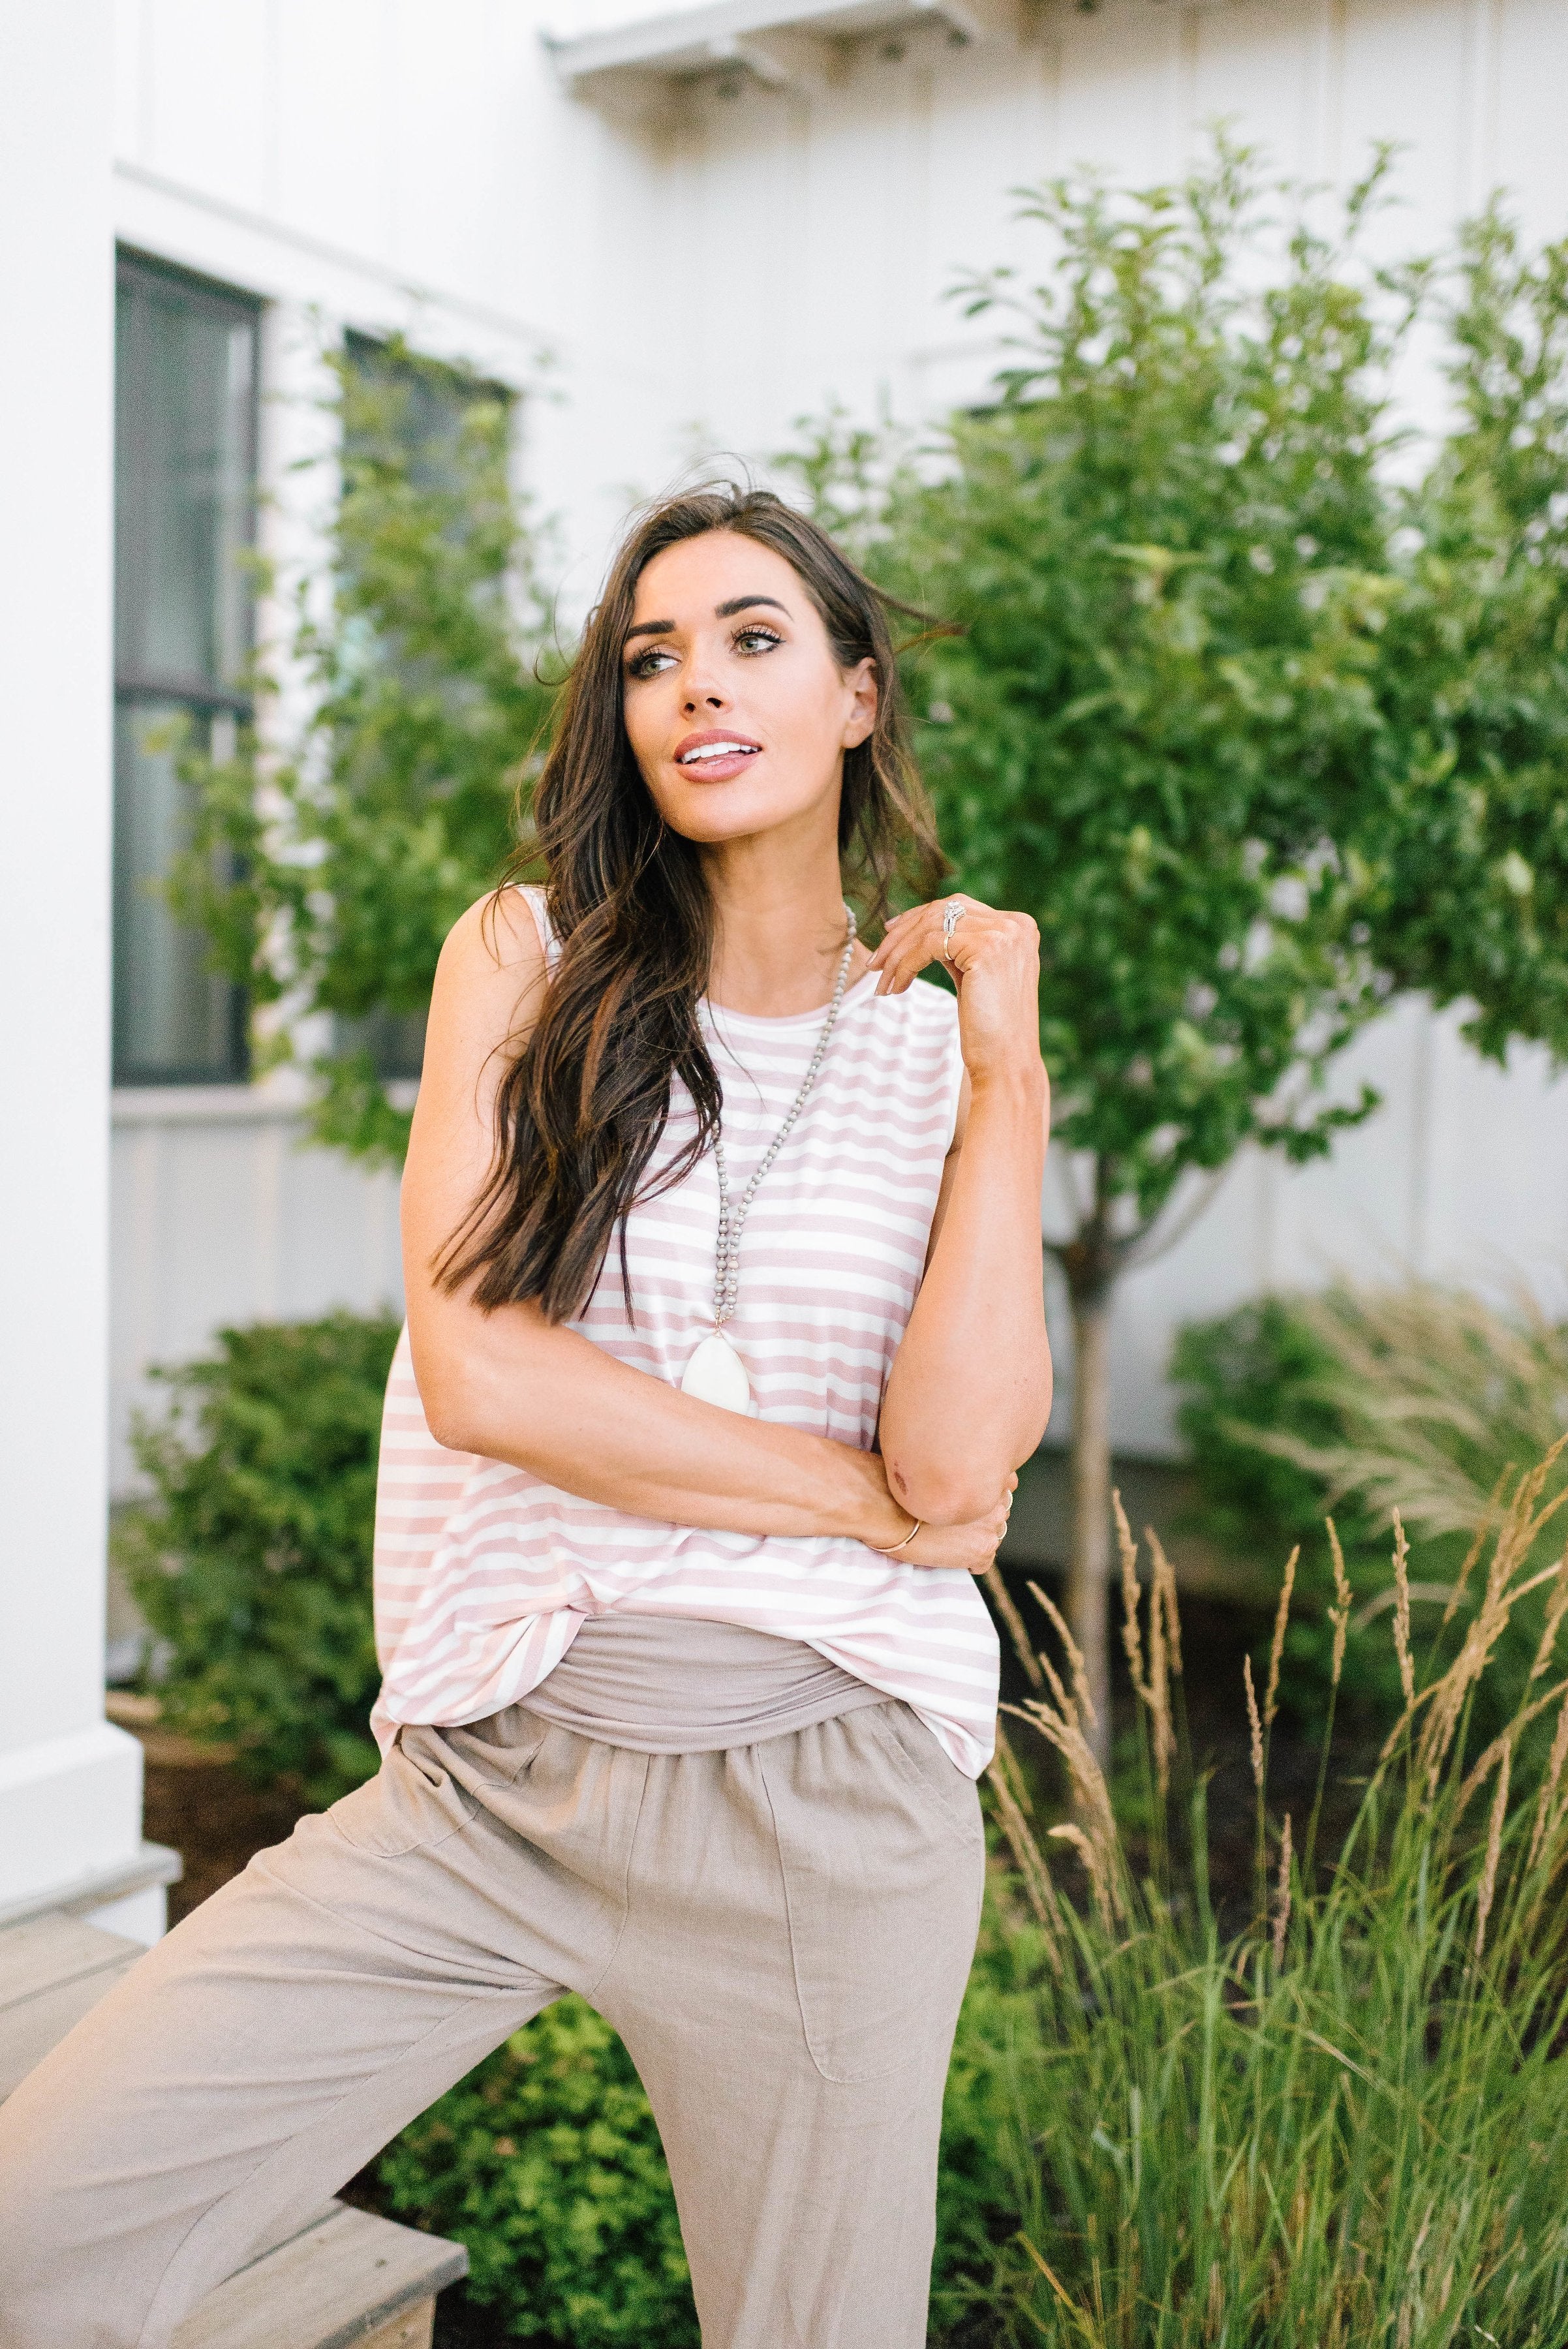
(1344,2118)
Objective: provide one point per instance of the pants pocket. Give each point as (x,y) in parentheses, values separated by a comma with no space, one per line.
(883,1875)
(944,1793)
(411,1803)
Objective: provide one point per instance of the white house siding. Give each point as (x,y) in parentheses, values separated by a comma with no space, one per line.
(700,280)
(1462,1175)
(219,1218)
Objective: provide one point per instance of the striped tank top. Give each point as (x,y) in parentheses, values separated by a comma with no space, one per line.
(484,1573)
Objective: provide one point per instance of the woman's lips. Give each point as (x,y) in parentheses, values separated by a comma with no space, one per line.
(714,757)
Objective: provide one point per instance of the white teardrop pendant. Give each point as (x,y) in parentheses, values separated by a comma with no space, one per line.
(716,1374)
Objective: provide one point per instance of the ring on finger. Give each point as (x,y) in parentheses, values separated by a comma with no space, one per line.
(953,913)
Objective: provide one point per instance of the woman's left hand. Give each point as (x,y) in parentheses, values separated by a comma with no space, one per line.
(995,958)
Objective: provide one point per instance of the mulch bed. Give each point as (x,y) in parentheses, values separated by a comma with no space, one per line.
(207,1810)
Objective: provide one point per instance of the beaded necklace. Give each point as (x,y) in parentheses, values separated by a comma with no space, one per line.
(715,1372)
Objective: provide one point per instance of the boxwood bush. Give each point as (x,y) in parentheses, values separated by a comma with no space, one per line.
(1262,1370)
(546,2163)
(250,1558)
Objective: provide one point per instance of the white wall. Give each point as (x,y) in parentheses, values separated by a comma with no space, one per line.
(402,163)
(221,1216)
(413,163)
(824,234)
(70,1786)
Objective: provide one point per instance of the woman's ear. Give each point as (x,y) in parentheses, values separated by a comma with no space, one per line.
(864,698)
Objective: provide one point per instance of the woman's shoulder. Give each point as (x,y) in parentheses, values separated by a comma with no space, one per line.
(498,944)
(489,987)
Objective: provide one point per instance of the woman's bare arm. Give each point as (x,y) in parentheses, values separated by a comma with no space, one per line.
(970,1390)
(509,1386)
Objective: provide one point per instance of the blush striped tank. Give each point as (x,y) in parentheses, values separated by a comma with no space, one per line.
(484,1573)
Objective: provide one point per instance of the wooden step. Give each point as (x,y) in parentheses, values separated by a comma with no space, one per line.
(52,1968)
(350,2281)
(345,2280)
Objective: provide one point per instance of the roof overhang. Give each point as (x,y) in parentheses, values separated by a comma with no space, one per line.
(801,45)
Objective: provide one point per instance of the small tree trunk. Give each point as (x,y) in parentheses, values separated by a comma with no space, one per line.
(1089,1558)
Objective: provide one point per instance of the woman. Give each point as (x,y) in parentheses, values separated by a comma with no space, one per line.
(725,1340)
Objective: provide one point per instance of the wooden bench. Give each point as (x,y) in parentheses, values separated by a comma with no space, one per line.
(346,2280)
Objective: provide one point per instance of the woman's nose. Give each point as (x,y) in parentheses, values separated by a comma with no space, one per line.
(703,685)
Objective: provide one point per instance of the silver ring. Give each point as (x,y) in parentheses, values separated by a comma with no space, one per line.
(953,913)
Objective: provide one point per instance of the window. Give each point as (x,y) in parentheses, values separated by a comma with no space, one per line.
(418,400)
(185,454)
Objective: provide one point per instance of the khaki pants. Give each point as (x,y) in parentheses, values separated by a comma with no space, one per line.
(780,1932)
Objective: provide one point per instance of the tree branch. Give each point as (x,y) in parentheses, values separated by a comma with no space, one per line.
(1160,1242)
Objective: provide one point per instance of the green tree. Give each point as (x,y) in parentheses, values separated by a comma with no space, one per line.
(1164,552)
(1472,844)
(328,868)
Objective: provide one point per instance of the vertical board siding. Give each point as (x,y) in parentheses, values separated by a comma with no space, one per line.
(219,1220)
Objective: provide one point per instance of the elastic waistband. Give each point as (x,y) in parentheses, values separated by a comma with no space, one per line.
(674,1685)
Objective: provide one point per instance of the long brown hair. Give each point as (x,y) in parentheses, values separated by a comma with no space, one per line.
(580,1111)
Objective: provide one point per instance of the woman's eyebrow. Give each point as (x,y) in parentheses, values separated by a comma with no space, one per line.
(721,611)
(744,603)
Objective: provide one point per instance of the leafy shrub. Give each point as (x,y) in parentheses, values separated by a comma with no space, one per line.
(978,2206)
(1349,2123)
(1257,1369)
(252,1560)
(546,2163)
(1440,1392)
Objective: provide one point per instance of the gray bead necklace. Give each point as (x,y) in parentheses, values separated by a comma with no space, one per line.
(716,1373)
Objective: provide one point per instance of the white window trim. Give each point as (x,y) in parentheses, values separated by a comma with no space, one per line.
(141,1105)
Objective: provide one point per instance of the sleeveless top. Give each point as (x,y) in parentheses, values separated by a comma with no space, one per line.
(484,1573)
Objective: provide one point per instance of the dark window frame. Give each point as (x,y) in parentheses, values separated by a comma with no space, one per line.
(199,696)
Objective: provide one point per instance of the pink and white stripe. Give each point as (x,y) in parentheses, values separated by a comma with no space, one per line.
(484,1573)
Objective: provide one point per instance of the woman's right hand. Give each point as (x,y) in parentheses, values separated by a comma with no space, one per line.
(970,1547)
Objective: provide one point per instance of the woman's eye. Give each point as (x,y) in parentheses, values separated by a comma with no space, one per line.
(654,658)
(648,663)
